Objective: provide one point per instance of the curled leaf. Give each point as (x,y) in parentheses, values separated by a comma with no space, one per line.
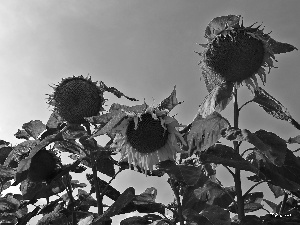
(170,102)
(205,132)
(216,100)
(34,128)
(273,106)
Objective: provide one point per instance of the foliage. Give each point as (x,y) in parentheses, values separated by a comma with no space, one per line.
(200,198)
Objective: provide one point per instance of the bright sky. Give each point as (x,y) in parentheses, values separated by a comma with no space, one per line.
(143,48)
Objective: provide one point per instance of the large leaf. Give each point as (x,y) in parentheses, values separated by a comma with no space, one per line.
(252,202)
(9,204)
(216,100)
(268,143)
(216,215)
(213,194)
(36,190)
(86,198)
(34,128)
(110,191)
(187,174)
(125,198)
(273,107)
(225,155)
(286,176)
(205,132)
(54,121)
(277,191)
(22,134)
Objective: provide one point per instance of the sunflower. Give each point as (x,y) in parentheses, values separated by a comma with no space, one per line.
(236,54)
(75,98)
(145,139)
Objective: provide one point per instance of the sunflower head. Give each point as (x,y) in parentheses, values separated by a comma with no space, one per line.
(77,97)
(146,134)
(43,166)
(235,53)
(147,138)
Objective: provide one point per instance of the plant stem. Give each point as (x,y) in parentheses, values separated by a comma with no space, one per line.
(237,175)
(285,197)
(98,196)
(72,201)
(179,207)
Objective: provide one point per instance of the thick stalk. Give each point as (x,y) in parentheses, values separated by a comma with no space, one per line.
(237,174)
(179,207)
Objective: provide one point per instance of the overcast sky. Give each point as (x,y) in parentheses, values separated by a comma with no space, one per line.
(141,47)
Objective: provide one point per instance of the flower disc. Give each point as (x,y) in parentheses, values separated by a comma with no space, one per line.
(149,135)
(235,56)
(76,98)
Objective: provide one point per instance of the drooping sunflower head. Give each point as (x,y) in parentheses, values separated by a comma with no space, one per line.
(77,97)
(235,53)
(148,138)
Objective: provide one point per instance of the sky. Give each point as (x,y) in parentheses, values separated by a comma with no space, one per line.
(141,47)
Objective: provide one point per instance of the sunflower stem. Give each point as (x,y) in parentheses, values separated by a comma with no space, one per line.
(72,201)
(237,174)
(97,190)
(176,193)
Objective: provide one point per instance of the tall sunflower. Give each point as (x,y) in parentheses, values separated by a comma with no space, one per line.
(147,138)
(75,98)
(235,54)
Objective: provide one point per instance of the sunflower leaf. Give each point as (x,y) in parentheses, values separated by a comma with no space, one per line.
(216,215)
(216,100)
(170,102)
(114,91)
(277,191)
(205,132)
(268,143)
(6,171)
(225,155)
(22,134)
(125,198)
(34,128)
(273,107)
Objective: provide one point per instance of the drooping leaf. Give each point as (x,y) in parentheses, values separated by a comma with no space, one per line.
(216,215)
(149,195)
(213,194)
(252,202)
(194,218)
(110,192)
(86,199)
(126,197)
(286,176)
(36,190)
(170,102)
(22,134)
(277,191)
(225,155)
(135,220)
(34,128)
(105,165)
(187,174)
(6,185)
(268,143)
(216,100)
(273,205)
(25,219)
(54,218)
(205,132)
(273,106)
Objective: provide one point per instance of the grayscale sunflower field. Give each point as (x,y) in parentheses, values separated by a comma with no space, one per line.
(148,139)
